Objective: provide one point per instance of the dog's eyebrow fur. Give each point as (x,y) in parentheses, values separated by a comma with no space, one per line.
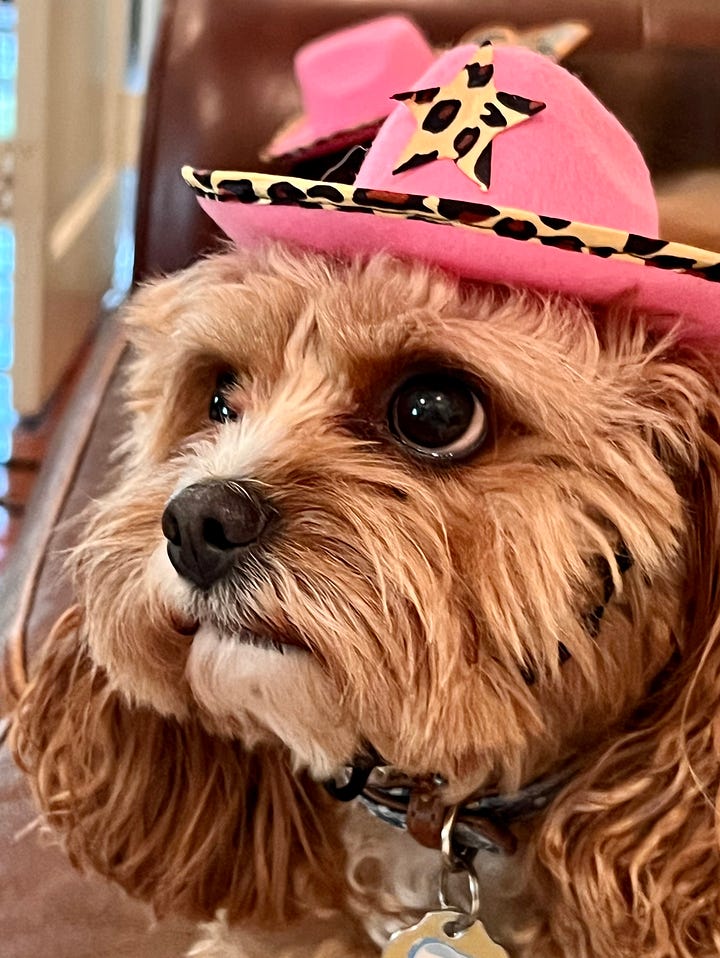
(367,321)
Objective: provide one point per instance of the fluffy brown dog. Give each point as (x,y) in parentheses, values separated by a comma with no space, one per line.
(526,587)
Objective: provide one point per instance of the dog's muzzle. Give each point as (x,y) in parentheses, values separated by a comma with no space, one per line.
(211,526)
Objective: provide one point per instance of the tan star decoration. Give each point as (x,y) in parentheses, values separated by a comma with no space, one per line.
(554,40)
(460,120)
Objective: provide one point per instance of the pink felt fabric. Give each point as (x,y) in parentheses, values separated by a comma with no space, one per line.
(477,255)
(574,160)
(346,79)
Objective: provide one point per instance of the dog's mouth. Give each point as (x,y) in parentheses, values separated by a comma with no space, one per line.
(236,624)
(258,636)
(184,624)
(270,641)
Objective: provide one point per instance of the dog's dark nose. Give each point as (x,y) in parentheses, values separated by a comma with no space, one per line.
(210,525)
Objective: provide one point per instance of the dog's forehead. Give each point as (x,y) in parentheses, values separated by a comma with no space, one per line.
(385,312)
(335,317)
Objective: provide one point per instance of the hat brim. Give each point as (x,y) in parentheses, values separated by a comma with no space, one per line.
(301,140)
(482,242)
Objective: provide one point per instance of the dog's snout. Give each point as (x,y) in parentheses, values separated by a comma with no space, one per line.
(210,525)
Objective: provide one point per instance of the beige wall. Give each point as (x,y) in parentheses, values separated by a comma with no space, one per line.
(77,128)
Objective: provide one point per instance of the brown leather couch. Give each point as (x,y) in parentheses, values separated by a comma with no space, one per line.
(656,63)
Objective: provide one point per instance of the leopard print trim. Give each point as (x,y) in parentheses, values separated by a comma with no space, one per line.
(267,190)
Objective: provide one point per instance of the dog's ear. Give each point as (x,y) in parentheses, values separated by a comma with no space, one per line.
(635,839)
(154,306)
(177,816)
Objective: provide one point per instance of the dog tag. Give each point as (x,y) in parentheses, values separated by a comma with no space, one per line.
(431,938)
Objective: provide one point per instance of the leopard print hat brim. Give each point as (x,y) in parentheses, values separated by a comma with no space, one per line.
(260,189)
(480,241)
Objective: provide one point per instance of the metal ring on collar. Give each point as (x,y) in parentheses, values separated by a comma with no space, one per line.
(456,862)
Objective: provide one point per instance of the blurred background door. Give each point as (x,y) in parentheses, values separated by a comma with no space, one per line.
(80,79)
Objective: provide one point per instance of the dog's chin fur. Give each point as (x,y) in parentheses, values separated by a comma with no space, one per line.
(286,691)
(442,615)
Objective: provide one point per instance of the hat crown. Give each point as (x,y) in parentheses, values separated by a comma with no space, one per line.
(574,160)
(347,77)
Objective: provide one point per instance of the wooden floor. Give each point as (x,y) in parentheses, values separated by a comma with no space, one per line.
(17,478)
(30,443)
(48,910)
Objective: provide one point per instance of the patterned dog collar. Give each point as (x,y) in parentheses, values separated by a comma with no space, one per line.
(483,821)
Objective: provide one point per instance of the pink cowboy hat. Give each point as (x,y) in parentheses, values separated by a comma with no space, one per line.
(346,80)
(499,166)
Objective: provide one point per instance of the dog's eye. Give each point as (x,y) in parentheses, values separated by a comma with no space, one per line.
(219,410)
(438,415)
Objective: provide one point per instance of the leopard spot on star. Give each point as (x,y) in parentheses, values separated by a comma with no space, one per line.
(441,115)
(479,74)
(418,159)
(520,104)
(466,140)
(493,117)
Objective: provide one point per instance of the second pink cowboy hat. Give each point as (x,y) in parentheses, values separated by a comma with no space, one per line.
(346,80)
(497,165)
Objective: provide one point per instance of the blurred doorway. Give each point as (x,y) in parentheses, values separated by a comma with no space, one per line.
(80,81)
